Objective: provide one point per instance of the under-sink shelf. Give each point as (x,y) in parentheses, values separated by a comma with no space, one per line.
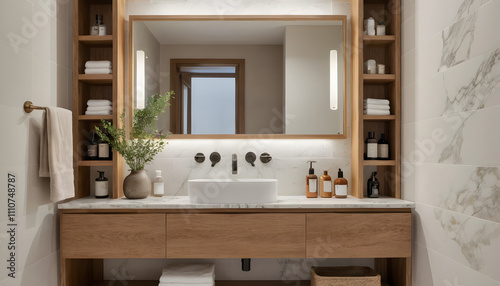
(217,283)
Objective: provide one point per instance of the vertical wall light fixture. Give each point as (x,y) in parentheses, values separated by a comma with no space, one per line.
(140,82)
(333,81)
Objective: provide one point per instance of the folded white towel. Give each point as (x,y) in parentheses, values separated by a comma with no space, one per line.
(56,152)
(186,284)
(376,101)
(98,64)
(99,108)
(376,112)
(101,112)
(188,273)
(376,106)
(98,71)
(99,102)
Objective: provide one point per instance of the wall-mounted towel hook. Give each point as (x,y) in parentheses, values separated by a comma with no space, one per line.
(29,107)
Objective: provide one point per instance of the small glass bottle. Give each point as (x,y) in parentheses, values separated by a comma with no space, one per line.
(340,185)
(311,182)
(372,188)
(92,147)
(383,148)
(325,185)
(371,147)
(103,150)
(158,185)
(94,29)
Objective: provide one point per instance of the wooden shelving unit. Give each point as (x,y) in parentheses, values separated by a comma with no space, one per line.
(97,86)
(386,50)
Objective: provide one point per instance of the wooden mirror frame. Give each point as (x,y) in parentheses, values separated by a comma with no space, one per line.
(342,18)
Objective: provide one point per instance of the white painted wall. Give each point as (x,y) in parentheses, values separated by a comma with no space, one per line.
(307,77)
(451,110)
(35,56)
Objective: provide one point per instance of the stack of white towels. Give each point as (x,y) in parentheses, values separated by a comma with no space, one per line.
(188,275)
(99,107)
(373,106)
(98,67)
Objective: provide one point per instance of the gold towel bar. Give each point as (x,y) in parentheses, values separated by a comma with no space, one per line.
(28,107)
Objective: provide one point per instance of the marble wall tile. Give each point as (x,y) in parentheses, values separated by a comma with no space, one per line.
(484,39)
(430,97)
(470,241)
(437,269)
(408,34)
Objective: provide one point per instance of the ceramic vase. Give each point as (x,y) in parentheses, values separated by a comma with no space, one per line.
(137,185)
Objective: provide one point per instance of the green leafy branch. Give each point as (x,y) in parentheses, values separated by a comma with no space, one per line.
(142,146)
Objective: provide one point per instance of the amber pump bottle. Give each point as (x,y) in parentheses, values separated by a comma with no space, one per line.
(311,182)
(340,185)
(325,185)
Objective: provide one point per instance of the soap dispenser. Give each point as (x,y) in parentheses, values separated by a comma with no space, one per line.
(372,188)
(340,185)
(101,186)
(311,182)
(325,185)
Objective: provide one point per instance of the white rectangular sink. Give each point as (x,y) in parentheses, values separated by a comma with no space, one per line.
(233,191)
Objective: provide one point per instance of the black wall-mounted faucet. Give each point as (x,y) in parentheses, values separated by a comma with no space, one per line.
(250,157)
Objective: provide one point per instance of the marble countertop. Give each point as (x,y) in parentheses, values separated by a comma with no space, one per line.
(284,202)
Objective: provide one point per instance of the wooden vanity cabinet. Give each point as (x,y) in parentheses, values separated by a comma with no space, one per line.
(359,235)
(113,235)
(236,235)
(89,236)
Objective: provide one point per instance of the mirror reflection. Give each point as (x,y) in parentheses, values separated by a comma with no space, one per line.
(240,76)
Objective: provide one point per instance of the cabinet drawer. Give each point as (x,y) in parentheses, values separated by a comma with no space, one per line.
(236,236)
(359,235)
(113,235)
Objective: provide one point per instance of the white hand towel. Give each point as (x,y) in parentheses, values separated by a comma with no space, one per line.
(98,71)
(376,112)
(376,106)
(99,108)
(56,152)
(186,284)
(101,112)
(376,101)
(99,102)
(98,64)
(188,273)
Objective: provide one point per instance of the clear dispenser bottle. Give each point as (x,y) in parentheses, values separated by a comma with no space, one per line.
(340,185)
(311,182)
(325,185)
(158,185)
(101,186)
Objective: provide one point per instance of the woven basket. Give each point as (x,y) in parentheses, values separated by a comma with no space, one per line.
(344,276)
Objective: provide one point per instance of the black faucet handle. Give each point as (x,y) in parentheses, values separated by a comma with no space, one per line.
(199,157)
(265,158)
(214,158)
(250,157)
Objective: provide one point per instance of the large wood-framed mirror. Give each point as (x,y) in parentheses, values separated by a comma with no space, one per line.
(290,80)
